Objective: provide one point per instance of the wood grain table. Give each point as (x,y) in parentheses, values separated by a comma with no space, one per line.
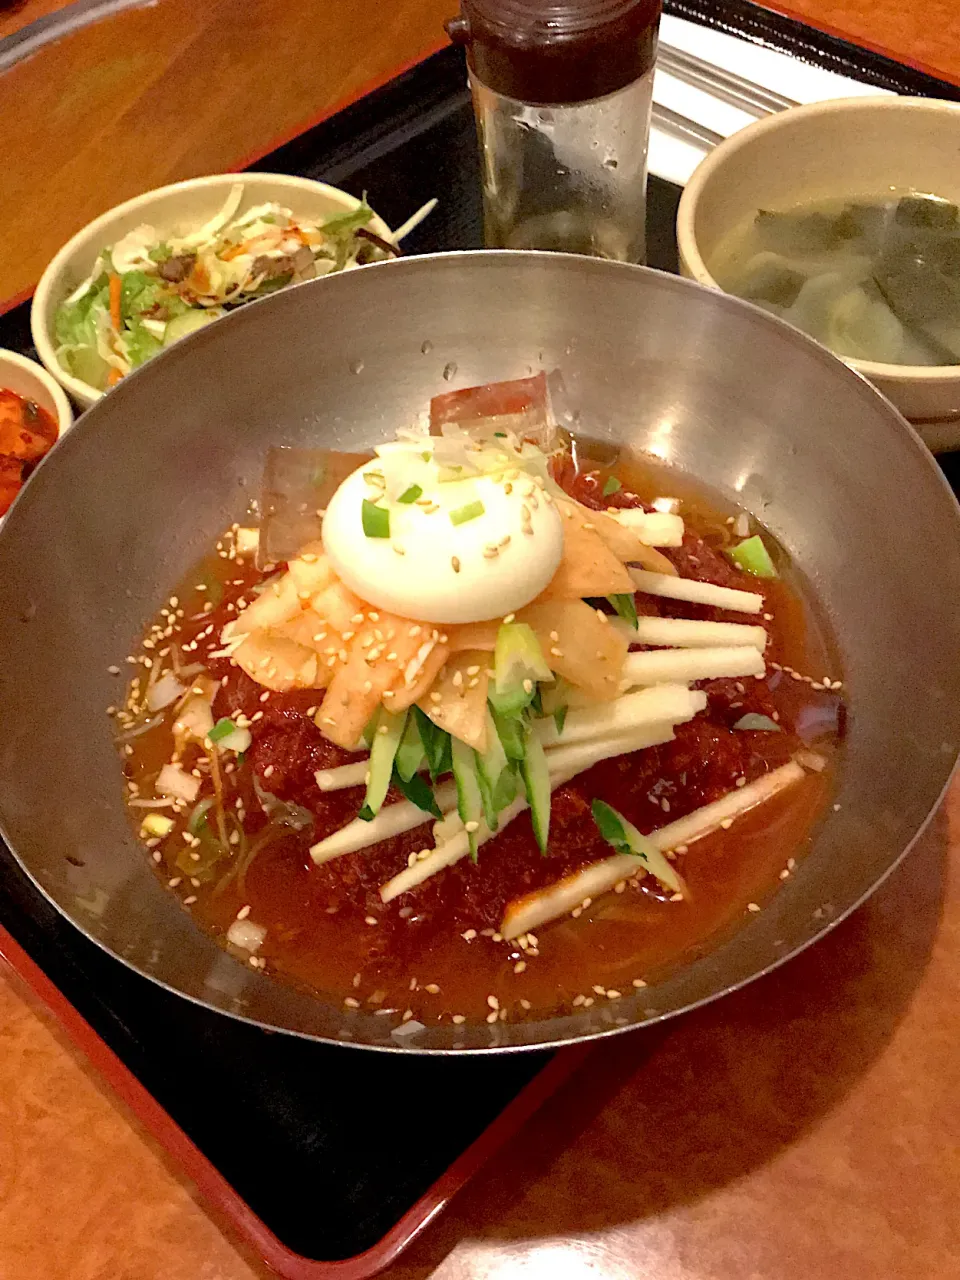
(804,1129)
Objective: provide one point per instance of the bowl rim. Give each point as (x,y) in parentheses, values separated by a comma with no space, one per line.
(13,359)
(708,169)
(49,281)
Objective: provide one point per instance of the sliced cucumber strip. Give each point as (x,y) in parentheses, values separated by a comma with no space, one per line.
(410,755)
(536,780)
(510,732)
(518,663)
(383,749)
(625,838)
(469,797)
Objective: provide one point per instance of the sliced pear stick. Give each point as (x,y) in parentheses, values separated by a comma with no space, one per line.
(392,820)
(564,763)
(344,775)
(655,529)
(671,703)
(689,589)
(689,633)
(675,666)
(544,905)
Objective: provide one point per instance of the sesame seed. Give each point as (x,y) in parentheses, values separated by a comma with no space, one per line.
(436,697)
(603,617)
(473,683)
(473,671)
(243,912)
(398,550)
(188,902)
(471,827)
(528,685)
(357,619)
(741,782)
(519,966)
(556,653)
(600,991)
(554,635)
(432,988)
(458,1018)
(726,824)
(493,1002)
(370,920)
(525,1004)
(407,1015)
(457,679)
(373,616)
(172,884)
(676,897)
(469,935)
(753,906)
(638,983)
(490,553)
(578,1000)
(351,1003)
(784,874)
(613,995)
(588,1002)
(492,1017)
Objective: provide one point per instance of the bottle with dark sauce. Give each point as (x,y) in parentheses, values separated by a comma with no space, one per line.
(562,91)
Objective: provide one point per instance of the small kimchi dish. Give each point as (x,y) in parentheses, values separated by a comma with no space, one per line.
(475,727)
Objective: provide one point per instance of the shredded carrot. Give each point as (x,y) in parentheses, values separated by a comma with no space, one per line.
(115,301)
(113,377)
(235,251)
(199,279)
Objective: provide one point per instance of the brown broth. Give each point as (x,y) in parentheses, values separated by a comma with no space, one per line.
(413,957)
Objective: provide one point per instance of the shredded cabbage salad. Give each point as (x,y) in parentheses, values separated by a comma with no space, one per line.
(148,290)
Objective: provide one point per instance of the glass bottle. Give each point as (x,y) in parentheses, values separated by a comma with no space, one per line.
(562,91)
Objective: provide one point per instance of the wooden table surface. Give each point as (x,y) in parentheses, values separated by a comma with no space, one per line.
(806,1128)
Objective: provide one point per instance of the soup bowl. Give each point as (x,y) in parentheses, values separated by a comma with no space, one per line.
(848,148)
(143,484)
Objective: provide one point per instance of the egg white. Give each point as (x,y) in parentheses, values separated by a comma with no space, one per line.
(433,570)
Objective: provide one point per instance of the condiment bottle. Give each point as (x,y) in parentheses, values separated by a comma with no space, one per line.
(562,91)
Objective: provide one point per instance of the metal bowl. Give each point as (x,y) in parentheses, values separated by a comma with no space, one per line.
(144,483)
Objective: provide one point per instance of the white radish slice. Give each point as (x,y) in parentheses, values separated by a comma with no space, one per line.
(559,899)
(694,592)
(344,775)
(392,820)
(663,703)
(689,633)
(654,529)
(677,666)
(564,763)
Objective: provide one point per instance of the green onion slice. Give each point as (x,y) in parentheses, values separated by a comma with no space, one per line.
(411,494)
(222,729)
(376,520)
(468,512)
(611,486)
(753,557)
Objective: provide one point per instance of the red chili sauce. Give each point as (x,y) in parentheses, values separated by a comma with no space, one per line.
(27,432)
(435,950)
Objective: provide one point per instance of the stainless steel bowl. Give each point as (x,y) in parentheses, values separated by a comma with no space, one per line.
(153,472)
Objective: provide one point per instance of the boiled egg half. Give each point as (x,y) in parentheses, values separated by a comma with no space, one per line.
(437,548)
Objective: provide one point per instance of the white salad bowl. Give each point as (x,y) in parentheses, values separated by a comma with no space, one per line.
(177,208)
(847,148)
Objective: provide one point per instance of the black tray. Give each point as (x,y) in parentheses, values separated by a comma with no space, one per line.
(327,1177)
